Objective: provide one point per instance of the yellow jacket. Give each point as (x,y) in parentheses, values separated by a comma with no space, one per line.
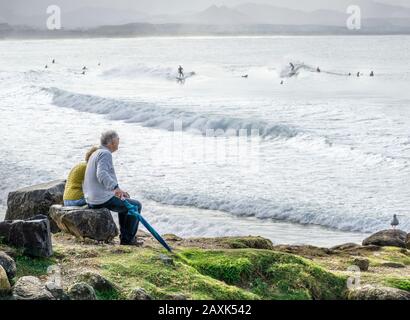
(74,185)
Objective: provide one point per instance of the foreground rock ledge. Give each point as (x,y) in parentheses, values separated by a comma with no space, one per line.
(32,235)
(34,200)
(96,224)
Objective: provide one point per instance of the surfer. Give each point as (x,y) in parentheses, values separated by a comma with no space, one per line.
(46,67)
(292,66)
(318,69)
(101,188)
(281,82)
(181,72)
(245,76)
(53,61)
(84,68)
(372,74)
(358,74)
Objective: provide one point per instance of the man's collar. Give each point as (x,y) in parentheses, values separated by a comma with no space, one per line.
(104,147)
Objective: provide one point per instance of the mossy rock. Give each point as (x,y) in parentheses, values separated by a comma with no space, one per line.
(269,274)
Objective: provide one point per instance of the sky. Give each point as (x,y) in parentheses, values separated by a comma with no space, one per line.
(16,11)
(33,7)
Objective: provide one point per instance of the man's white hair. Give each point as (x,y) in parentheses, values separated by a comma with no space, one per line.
(107,137)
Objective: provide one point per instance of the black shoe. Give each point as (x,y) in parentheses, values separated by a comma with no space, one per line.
(133,242)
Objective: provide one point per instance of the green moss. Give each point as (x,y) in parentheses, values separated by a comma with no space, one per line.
(27,266)
(269,274)
(247,242)
(109,295)
(144,269)
(399,283)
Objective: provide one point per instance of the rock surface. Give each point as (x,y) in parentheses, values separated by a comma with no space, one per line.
(378,293)
(35,200)
(32,235)
(82,291)
(384,238)
(166,260)
(56,291)
(5,287)
(396,265)
(139,294)
(31,288)
(8,265)
(96,224)
(362,263)
(408,241)
(97,281)
(176,296)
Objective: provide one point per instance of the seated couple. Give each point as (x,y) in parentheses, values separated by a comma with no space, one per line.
(94,183)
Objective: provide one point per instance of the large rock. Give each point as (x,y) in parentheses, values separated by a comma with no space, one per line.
(31,288)
(82,291)
(387,238)
(31,201)
(8,265)
(362,263)
(96,224)
(378,293)
(408,241)
(97,281)
(32,235)
(56,291)
(139,294)
(5,287)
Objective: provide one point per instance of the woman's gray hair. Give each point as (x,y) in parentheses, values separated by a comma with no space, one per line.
(107,137)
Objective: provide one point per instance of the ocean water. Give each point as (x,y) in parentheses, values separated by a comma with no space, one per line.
(322,159)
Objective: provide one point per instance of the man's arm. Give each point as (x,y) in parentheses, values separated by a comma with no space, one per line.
(104,164)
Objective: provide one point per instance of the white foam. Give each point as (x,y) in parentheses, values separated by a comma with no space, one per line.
(269,209)
(151,115)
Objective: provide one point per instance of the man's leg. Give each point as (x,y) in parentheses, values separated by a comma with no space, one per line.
(132,221)
(128,223)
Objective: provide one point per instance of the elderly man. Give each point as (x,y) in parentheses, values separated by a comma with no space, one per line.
(101,189)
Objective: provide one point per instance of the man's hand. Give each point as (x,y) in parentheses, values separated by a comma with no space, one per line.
(121,194)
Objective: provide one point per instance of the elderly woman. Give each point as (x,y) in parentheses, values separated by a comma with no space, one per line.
(73,193)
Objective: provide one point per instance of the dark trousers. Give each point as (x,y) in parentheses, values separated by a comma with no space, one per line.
(128,223)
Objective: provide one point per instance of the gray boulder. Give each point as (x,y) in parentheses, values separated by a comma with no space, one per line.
(31,201)
(31,288)
(391,264)
(362,263)
(56,291)
(82,291)
(97,281)
(385,238)
(8,265)
(368,292)
(176,296)
(5,287)
(139,294)
(167,260)
(96,224)
(32,235)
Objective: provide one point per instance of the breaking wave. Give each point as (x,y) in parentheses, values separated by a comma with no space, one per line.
(151,115)
(269,209)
